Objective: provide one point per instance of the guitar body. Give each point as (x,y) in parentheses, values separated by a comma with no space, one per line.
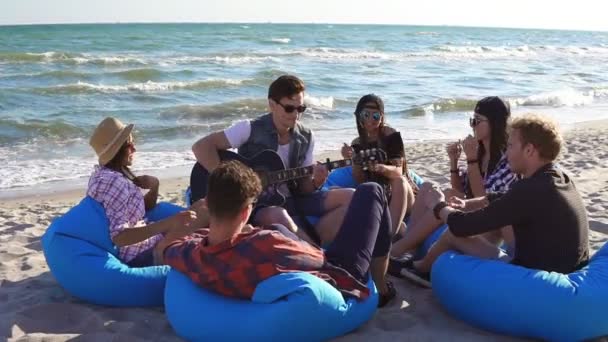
(262,163)
(271,170)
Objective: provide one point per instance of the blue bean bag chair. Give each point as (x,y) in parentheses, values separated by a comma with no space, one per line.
(343,178)
(523,302)
(287,307)
(83,259)
(429,241)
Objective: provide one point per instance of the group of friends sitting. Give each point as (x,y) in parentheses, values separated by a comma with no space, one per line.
(509,202)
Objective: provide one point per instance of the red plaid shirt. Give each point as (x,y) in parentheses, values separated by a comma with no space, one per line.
(235,267)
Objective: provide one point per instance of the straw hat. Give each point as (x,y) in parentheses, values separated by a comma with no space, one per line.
(108,137)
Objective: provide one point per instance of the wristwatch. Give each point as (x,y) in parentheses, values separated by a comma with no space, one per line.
(437,208)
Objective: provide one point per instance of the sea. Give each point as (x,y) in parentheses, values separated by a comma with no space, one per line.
(178,82)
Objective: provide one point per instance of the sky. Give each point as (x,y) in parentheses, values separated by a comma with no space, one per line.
(556,14)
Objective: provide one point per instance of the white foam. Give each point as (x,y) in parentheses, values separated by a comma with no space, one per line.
(84,58)
(273,56)
(319,102)
(26,173)
(337,54)
(474,51)
(232,60)
(149,86)
(281,40)
(565,97)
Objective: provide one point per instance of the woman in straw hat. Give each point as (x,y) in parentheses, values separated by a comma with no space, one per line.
(120,193)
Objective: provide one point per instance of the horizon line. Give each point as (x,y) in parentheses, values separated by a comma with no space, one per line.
(296,23)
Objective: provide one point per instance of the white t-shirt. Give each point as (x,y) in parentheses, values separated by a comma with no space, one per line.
(239,133)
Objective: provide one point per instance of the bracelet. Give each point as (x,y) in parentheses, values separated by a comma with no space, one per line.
(473,161)
(438,207)
(454,171)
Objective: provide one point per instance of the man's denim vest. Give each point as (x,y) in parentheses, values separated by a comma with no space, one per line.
(264,136)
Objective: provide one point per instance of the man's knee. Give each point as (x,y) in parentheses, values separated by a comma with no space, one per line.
(270,215)
(341,194)
(338,197)
(370,187)
(277,227)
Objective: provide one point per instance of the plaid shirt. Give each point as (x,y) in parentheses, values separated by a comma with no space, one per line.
(235,267)
(124,206)
(499,180)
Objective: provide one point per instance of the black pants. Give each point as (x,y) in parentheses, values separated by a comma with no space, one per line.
(364,234)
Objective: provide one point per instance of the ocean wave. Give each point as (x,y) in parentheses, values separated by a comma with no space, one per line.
(150,86)
(322,103)
(427,33)
(31,57)
(338,53)
(13,131)
(566,97)
(68,58)
(281,40)
(36,171)
(242,108)
(136,75)
(273,56)
(479,51)
(436,52)
(233,59)
(142,75)
(442,106)
(473,51)
(55,74)
(559,98)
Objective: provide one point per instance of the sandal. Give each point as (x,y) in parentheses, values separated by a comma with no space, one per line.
(396,264)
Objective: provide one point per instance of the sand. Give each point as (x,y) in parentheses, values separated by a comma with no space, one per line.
(33,307)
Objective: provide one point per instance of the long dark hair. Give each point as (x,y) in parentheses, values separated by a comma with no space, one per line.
(116,162)
(498,112)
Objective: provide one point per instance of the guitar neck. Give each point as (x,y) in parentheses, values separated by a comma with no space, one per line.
(281,176)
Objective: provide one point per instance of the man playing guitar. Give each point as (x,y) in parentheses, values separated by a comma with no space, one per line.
(281,131)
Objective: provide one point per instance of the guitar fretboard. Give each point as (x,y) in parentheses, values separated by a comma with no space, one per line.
(301,172)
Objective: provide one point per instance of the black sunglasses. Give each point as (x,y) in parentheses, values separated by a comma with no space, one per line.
(292,108)
(475,121)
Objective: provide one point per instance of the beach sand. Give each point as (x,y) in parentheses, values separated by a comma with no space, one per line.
(33,307)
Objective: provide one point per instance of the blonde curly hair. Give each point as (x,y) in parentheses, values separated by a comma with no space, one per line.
(541,132)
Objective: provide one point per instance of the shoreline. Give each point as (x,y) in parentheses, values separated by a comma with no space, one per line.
(180,175)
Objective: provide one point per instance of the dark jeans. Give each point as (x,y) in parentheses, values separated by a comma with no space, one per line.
(143,259)
(364,234)
(306,204)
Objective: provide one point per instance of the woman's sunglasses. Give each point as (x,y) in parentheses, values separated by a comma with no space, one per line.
(365,115)
(292,108)
(475,121)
